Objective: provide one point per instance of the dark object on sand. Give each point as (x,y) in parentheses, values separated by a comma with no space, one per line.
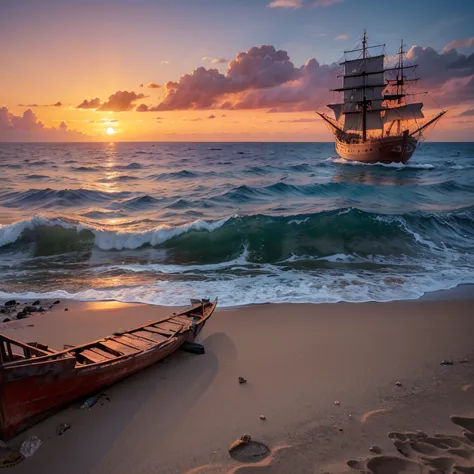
(9,458)
(56,302)
(62,428)
(22,315)
(6,320)
(10,303)
(375,450)
(242,380)
(446,362)
(35,380)
(66,309)
(193,347)
(91,401)
(246,450)
(398,384)
(36,303)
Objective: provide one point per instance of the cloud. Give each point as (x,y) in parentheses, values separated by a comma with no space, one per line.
(466,113)
(164,62)
(192,120)
(215,60)
(302,3)
(437,68)
(342,37)
(120,101)
(326,3)
(212,116)
(57,104)
(464,43)
(286,4)
(89,104)
(265,78)
(28,127)
(259,67)
(153,85)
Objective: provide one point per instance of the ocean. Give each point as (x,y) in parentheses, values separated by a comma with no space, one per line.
(161,223)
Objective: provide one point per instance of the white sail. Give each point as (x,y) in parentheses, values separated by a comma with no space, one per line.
(338,109)
(353,97)
(367,65)
(354,121)
(404,112)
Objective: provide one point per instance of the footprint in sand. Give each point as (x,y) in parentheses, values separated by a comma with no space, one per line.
(425,454)
(389,465)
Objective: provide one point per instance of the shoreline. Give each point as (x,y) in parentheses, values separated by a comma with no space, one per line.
(182,414)
(462,291)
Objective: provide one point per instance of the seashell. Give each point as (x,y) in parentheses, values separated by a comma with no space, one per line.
(263,417)
(239,442)
(242,380)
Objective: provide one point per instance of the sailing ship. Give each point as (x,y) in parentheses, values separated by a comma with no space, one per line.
(377,121)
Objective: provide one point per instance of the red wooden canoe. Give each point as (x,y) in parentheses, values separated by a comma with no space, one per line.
(35,380)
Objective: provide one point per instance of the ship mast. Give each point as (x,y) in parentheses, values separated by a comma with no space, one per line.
(364,101)
(400,81)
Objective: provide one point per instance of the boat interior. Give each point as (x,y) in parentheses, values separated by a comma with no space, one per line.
(14,353)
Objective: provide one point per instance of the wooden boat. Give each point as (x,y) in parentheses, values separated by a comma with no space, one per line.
(35,380)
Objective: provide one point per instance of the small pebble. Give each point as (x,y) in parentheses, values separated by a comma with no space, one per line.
(65,309)
(263,417)
(337,402)
(398,384)
(446,362)
(242,380)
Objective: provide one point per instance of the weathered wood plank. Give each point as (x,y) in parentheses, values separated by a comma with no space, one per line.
(102,353)
(159,330)
(181,320)
(153,336)
(92,356)
(135,341)
(120,348)
(168,325)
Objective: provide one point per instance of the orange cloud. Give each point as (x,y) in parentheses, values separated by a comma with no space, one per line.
(464,43)
(342,37)
(28,127)
(215,60)
(89,104)
(120,101)
(286,4)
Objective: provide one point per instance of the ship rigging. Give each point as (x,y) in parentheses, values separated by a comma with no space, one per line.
(377,120)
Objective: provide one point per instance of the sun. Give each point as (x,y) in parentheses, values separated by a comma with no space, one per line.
(109,131)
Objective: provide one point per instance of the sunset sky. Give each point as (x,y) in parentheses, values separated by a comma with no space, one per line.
(214,70)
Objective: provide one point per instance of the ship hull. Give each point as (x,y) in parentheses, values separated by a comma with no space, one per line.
(387,150)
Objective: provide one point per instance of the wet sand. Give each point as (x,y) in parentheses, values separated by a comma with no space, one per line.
(181,414)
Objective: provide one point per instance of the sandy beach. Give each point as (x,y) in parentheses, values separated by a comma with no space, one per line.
(182,414)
